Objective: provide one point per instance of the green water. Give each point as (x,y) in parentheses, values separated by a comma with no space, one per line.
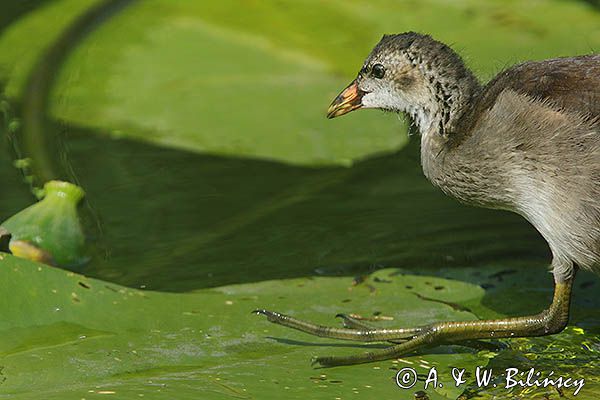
(171,220)
(179,201)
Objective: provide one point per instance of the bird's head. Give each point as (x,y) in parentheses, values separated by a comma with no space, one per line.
(411,73)
(386,81)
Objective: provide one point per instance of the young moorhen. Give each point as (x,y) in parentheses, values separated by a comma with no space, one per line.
(528,142)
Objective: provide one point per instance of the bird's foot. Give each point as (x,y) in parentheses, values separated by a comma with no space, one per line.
(407,340)
(354,329)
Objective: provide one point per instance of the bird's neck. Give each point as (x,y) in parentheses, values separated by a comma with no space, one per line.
(449,92)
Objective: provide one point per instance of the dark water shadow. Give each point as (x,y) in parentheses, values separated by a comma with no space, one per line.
(174,220)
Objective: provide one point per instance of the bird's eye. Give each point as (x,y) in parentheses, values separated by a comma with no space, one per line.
(378,71)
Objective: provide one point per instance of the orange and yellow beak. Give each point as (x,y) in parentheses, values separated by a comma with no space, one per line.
(349,100)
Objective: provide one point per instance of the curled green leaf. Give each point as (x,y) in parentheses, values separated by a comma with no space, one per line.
(50,231)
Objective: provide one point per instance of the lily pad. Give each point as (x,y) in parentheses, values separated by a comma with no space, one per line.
(67,336)
(254,78)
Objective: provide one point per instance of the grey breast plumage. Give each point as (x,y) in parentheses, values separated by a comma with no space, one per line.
(536,128)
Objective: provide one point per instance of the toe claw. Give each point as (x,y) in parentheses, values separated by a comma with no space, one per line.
(315,362)
(271,315)
(321,362)
(266,313)
(345,320)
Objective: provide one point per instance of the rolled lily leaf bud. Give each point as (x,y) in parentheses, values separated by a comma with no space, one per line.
(49,231)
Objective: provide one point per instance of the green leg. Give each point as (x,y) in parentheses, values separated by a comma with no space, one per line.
(361,335)
(552,320)
(354,323)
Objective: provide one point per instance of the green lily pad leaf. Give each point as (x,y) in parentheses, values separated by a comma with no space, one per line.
(254,78)
(22,42)
(111,339)
(217,90)
(49,231)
